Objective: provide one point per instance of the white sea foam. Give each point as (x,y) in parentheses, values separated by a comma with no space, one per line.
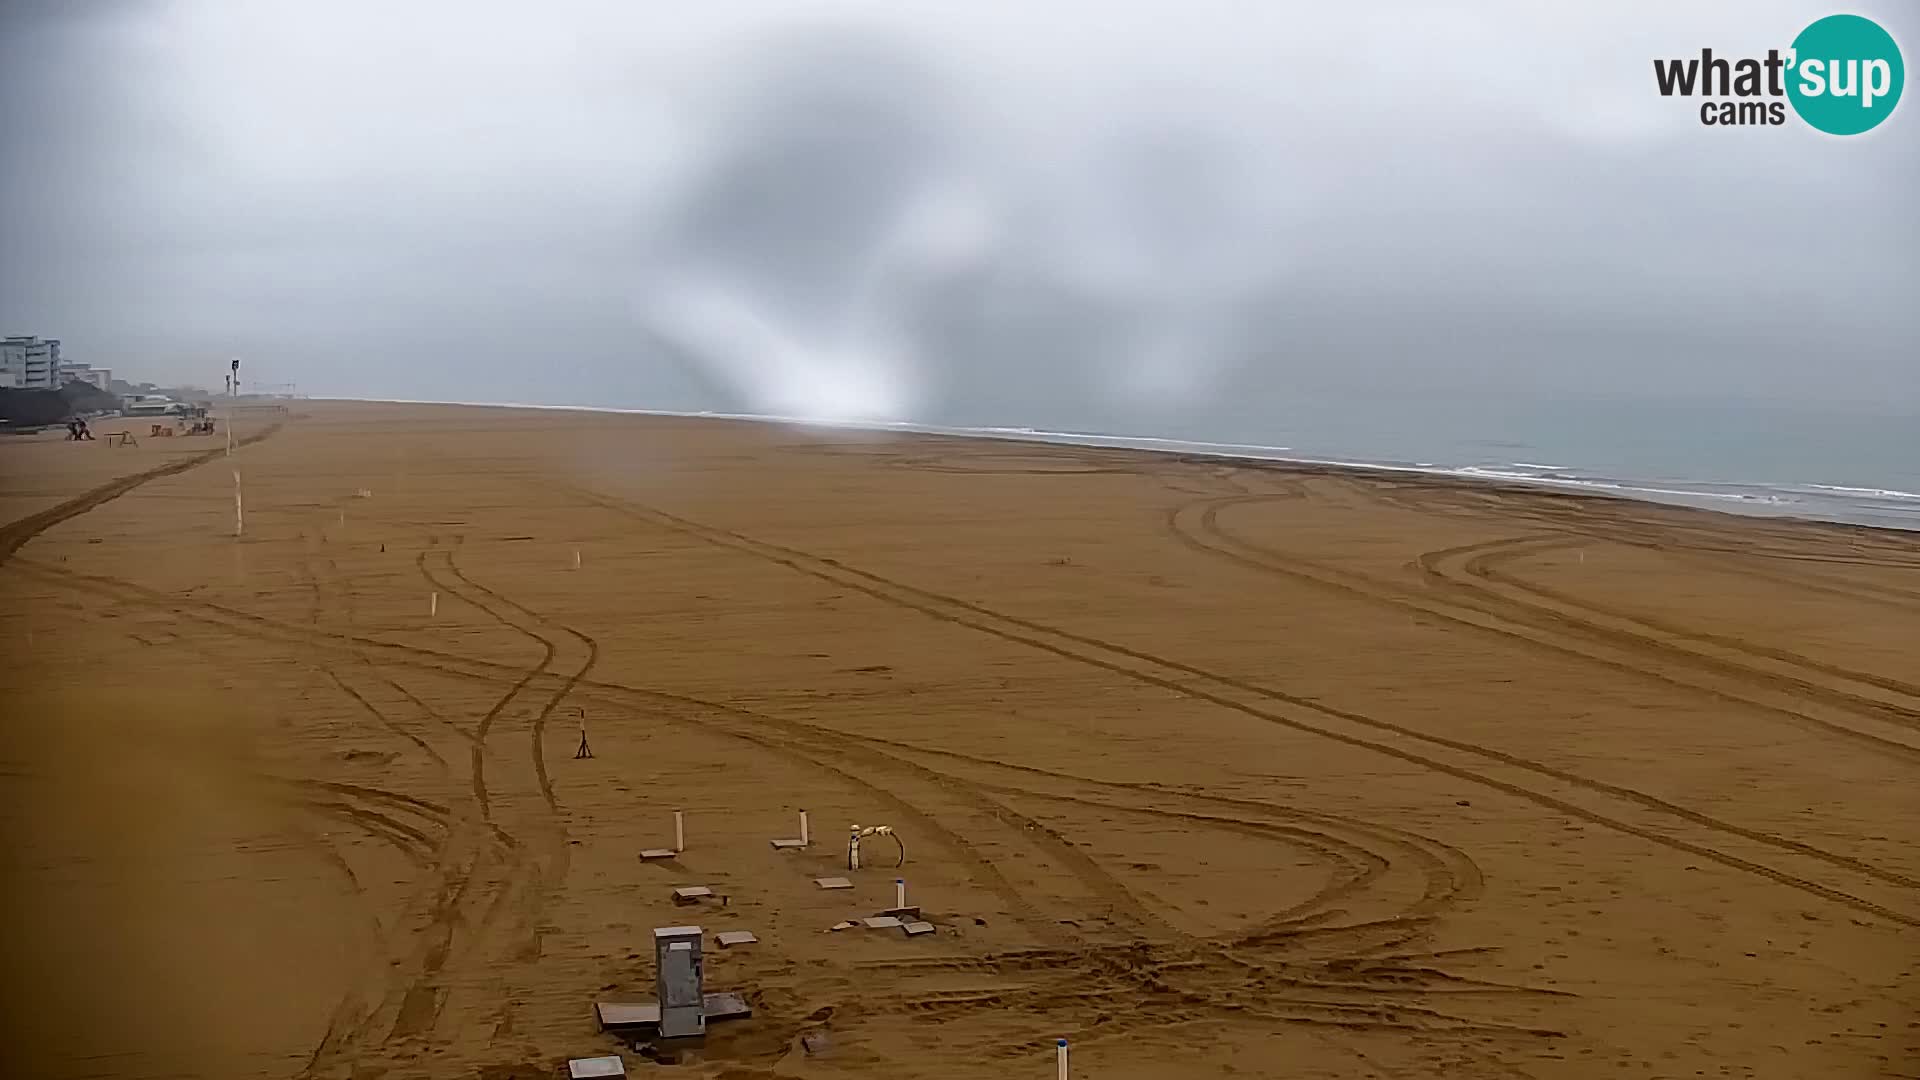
(1875,493)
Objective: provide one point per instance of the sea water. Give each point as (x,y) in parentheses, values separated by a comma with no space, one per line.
(1859,465)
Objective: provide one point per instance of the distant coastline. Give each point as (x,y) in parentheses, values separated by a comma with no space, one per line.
(1867,507)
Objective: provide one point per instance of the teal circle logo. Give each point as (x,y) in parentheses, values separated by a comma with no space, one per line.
(1846,75)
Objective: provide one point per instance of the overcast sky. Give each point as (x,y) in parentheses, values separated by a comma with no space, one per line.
(956,211)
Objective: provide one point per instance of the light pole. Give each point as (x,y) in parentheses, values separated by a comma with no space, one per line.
(239,511)
(233,388)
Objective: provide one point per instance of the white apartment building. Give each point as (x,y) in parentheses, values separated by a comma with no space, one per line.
(33,364)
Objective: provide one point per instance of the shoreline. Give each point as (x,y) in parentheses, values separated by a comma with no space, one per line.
(1761,500)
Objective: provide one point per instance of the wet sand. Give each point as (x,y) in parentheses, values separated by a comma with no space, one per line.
(1213,769)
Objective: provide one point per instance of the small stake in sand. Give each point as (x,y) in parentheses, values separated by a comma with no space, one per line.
(584,751)
(433,604)
(802,841)
(900,907)
(1060,1056)
(576,558)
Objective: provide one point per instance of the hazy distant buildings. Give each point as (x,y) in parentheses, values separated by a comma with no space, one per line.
(87,373)
(30,363)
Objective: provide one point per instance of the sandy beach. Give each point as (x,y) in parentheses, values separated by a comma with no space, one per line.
(1211,768)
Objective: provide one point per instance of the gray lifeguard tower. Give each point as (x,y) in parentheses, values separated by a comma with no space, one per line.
(677,979)
(681,1005)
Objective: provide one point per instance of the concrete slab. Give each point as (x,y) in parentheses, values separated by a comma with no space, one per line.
(579,1068)
(640,1015)
(833,883)
(915,929)
(735,937)
(615,1015)
(727,1007)
(689,893)
(881,922)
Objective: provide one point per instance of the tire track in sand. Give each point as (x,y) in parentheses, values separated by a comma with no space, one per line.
(477,755)
(528,620)
(1566,794)
(1615,522)
(1206,535)
(1475,569)
(782,739)
(483,874)
(342,595)
(1381,592)
(15,534)
(1369,850)
(764,731)
(337,1040)
(1197,526)
(1335,952)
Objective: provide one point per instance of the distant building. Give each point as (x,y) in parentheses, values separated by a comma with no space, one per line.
(33,364)
(13,360)
(155,405)
(87,373)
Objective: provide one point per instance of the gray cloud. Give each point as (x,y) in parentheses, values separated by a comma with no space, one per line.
(1092,215)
